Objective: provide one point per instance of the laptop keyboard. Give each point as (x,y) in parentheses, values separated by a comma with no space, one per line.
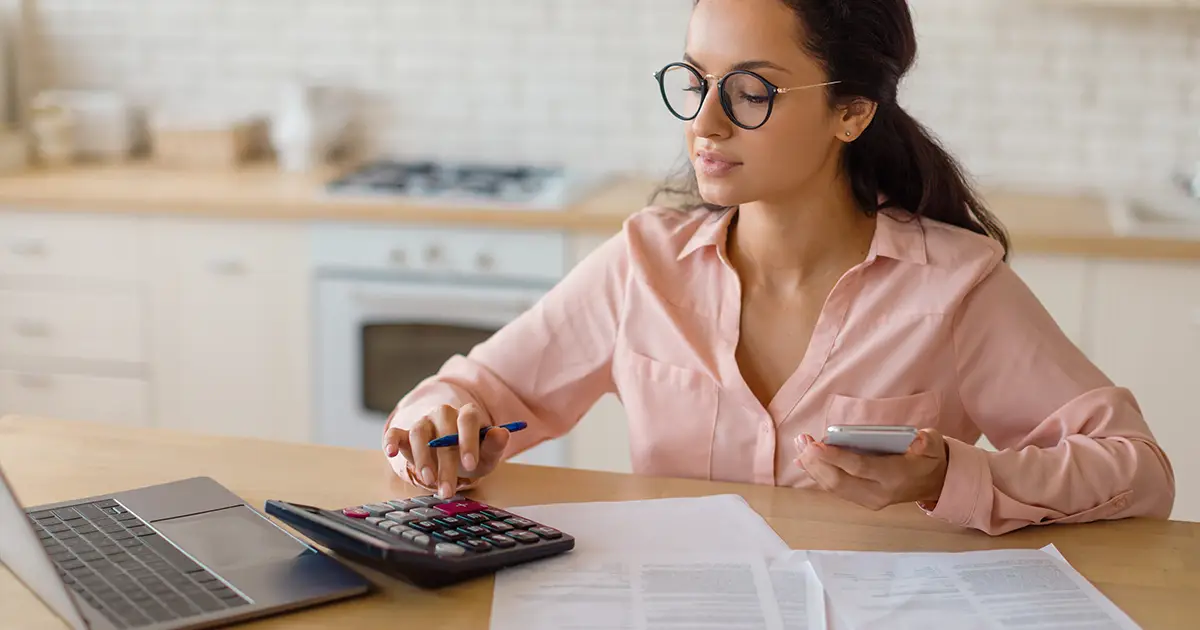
(125,569)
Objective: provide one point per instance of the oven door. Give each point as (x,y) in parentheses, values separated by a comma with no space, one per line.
(377,339)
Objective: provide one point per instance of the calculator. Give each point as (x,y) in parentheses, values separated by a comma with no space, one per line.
(426,541)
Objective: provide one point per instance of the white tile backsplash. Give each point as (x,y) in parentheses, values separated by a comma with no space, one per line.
(1021,90)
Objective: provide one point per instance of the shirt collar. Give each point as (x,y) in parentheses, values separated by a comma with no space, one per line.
(898,235)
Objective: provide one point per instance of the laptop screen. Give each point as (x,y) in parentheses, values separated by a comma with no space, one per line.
(24,556)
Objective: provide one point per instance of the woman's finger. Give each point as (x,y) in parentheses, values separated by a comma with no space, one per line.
(395,440)
(491,451)
(446,421)
(422,459)
(470,420)
(856,465)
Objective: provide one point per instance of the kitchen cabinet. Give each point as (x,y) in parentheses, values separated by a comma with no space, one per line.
(229,305)
(113,400)
(1145,319)
(71,333)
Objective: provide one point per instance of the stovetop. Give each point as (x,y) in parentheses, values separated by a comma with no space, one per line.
(465,184)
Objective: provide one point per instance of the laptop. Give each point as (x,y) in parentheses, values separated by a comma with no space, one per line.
(186,554)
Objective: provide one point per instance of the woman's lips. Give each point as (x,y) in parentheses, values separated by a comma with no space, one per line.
(712,164)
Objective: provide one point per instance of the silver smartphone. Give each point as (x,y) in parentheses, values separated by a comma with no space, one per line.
(872,440)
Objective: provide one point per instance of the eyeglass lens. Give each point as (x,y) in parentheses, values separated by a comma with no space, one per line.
(745,97)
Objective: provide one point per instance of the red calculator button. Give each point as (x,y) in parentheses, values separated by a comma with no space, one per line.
(459,507)
(356,513)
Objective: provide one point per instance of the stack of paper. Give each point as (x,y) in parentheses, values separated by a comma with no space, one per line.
(713,562)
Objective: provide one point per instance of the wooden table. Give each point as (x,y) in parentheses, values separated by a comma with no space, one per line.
(1150,569)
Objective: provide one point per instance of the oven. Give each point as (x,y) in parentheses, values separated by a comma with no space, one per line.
(392,305)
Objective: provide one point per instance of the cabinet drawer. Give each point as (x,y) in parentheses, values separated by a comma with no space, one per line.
(73,397)
(482,254)
(72,246)
(77,325)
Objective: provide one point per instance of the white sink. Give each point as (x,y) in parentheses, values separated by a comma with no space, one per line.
(1164,214)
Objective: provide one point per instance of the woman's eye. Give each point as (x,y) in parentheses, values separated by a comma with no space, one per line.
(753,99)
(693,89)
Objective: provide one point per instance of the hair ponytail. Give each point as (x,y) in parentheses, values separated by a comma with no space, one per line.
(899,158)
(868,46)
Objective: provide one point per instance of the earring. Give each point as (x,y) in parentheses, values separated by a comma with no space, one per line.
(848,134)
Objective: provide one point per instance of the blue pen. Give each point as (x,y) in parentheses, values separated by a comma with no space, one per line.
(452,440)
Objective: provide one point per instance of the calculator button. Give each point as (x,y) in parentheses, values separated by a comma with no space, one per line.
(415,537)
(477,546)
(450,535)
(427,501)
(403,504)
(495,514)
(474,530)
(375,520)
(498,526)
(547,532)
(475,518)
(377,509)
(460,507)
(426,512)
(523,536)
(426,526)
(447,550)
(521,523)
(450,521)
(356,513)
(500,540)
(397,516)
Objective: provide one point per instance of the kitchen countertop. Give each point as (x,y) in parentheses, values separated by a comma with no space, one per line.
(1064,223)
(1150,569)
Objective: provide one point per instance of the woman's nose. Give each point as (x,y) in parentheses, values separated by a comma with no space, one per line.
(711,121)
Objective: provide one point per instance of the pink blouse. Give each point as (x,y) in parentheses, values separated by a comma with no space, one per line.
(931,330)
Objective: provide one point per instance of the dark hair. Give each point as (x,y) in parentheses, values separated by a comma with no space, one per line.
(868,45)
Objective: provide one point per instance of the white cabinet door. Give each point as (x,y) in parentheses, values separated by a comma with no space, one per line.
(1146,333)
(1061,285)
(229,304)
(123,401)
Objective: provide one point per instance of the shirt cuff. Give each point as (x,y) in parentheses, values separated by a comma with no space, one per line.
(965,474)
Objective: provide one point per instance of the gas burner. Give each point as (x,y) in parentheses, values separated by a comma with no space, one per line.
(464,184)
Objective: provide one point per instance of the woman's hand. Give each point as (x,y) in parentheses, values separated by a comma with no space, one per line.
(877,481)
(439,467)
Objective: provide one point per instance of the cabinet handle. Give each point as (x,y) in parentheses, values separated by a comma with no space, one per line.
(34,381)
(29,247)
(485,262)
(31,329)
(399,257)
(227,267)
(434,254)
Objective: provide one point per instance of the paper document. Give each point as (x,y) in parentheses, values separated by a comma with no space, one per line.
(1027,588)
(708,562)
(592,591)
(798,593)
(722,523)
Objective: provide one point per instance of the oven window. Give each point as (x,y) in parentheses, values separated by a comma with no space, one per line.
(397,357)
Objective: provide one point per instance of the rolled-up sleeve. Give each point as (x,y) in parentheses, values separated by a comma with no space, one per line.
(1073,447)
(547,367)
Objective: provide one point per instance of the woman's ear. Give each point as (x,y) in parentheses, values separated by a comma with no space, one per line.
(855,117)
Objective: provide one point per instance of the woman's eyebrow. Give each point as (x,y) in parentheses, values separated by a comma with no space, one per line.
(756,64)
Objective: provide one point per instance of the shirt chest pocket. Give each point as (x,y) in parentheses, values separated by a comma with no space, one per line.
(916,410)
(672,413)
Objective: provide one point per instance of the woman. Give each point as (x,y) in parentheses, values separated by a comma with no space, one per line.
(839,270)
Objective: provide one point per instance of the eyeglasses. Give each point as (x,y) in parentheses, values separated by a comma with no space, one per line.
(747,98)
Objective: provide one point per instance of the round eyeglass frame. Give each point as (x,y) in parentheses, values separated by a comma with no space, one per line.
(772,92)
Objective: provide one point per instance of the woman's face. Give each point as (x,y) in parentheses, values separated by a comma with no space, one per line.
(803,134)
